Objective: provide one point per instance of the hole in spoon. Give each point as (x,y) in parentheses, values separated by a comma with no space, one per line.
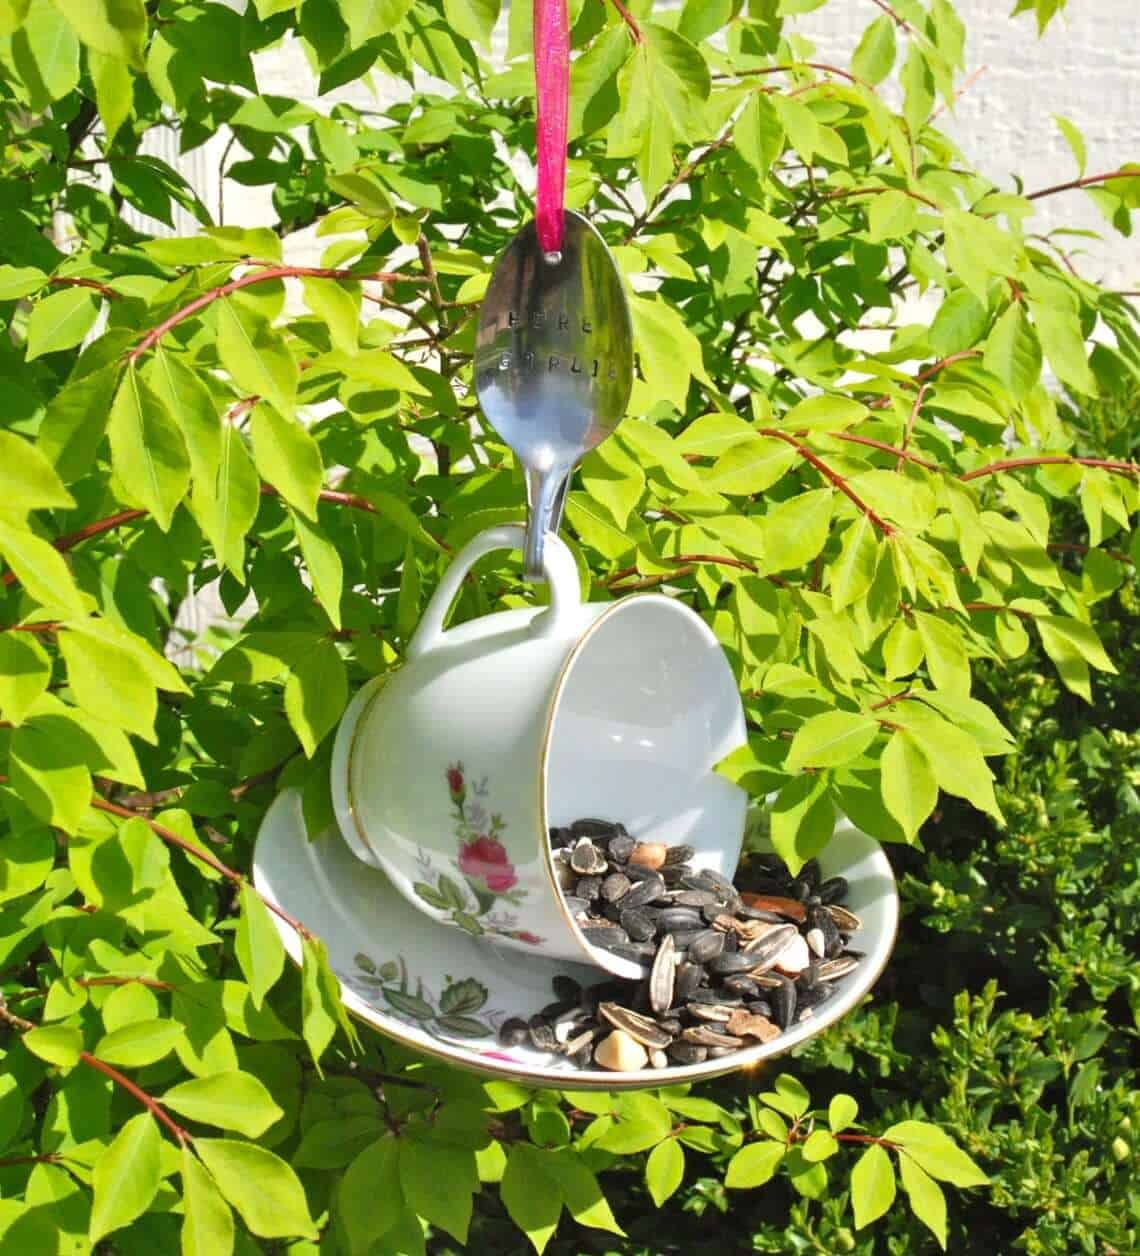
(553,257)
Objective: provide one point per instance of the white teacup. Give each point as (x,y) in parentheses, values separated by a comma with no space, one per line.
(448,771)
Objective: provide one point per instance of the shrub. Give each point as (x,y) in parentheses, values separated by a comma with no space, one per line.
(864,530)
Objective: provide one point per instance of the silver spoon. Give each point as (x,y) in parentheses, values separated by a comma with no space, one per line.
(553,363)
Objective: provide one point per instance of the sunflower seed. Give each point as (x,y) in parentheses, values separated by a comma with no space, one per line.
(640,1028)
(586,859)
(560,837)
(541,1034)
(816,942)
(513,1032)
(679,854)
(555,1011)
(645,892)
(621,847)
(573,1046)
(663,977)
(601,935)
(834,969)
(687,980)
(694,898)
(707,945)
(732,962)
(760,1007)
(687,1053)
(589,888)
(784,1002)
(658,1059)
(615,886)
(604,829)
(638,952)
(715,1012)
(676,919)
(794,957)
(741,986)
(638,924)
(706,1036)
(846,921)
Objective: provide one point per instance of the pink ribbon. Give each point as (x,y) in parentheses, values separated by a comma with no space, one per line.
(552,81)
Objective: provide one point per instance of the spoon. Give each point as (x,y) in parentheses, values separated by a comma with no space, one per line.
(553,363)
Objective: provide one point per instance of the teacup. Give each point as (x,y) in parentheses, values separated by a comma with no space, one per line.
(449,771)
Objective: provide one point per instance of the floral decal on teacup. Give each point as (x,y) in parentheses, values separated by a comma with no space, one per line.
(487,878)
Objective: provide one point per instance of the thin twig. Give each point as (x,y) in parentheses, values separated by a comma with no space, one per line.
(914,410)
(631,23)
(1087,181)
(75,281)
(1048,460)
(898,20)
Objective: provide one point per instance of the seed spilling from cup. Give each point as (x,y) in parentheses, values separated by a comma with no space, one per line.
(724,965)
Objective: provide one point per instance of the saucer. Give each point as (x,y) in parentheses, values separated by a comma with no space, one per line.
(445,994)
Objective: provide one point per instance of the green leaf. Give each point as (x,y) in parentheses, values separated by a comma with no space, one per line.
(108,681)
(759,133)
(114,90)
(945,652)
(337,304)
(892,215)
(670,355)
(53,780)
(368,18)
(803,820)
(853,571)
(796,530)
(958,764)
(323,562)
(191,405)
(423,1166)
(531,1195)
(754,1165)
(147,450)
(910,790)
(1075,141)
(263,1189)
(25,670)
(872,1186)
(61,320)
(1057,321)
(927,1201)
(936,1152)
(17,282)
(1013,352)
(58,1044)
(790,1096)
(961,321)
(831,739)
(126,1176)
(207,1222)
(257,358)
(977,249)
(232,1100)
(29,854)
(257,944)
(369,1198)
(322,1011)
(874,56)
(140,1043)
(226,509)
(116,28)
(45,53)
(40,568)
(750,467)
(75,420)
(581,1192)
(841,1113)
(315,694)
(664,1170)
(473,19)
(824,413)
(819,1145)
(288,458)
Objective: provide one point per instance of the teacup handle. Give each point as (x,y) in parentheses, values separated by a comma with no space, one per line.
(558,565)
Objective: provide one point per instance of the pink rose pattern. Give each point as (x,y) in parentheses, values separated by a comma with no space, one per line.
(483,859)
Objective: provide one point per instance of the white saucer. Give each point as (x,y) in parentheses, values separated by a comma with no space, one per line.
(445,994)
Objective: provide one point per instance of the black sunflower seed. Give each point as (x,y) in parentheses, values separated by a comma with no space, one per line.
(676,919)
(621,847)
(589,888)
(638,924)
(784,1002)
(542,1034)
(832,890)
(513,1031)
(706,946)
(688,979)
(640,1028)
(687,1053)
(645,892)
(615,886)
(679,854)
(605,829)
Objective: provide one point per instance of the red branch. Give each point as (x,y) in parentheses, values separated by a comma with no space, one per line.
(855,439)
(246,281)
(1087,181)
(630,21)
(833,476)
(149,1102)
(76,281)
(898,20)
(914,411)
(792,67)
(881,403)
(840,193)
(1048,460)
(895,697)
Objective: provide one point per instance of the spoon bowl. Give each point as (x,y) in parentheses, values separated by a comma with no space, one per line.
(553,362)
